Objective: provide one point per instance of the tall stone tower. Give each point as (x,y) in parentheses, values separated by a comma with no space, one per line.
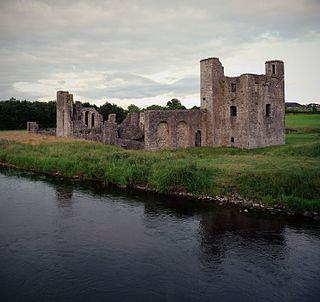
(211,93)
(64,114)
(246,111)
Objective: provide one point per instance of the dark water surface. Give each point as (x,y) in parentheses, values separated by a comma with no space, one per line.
(65,242)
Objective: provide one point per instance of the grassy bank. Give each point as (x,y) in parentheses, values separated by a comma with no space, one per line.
(289,174)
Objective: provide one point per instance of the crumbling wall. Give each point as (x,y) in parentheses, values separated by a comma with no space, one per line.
(173,128)
(131,135)
(32,127)
(131,127)
(109,130)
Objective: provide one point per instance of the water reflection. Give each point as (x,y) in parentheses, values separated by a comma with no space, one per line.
(226,231)
(64,194)
(64,239)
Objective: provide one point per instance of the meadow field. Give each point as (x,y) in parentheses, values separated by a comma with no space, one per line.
(287,175)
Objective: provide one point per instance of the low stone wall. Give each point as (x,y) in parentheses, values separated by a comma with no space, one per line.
(130,144)
(93,134)
(32,127)
(174,129)
(47,131)
(131,127)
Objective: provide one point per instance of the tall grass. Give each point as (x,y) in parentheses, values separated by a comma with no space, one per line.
(288,174)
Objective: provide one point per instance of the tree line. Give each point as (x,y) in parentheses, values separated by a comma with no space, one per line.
(14,114)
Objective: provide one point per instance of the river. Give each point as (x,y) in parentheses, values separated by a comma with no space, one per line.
(64,241)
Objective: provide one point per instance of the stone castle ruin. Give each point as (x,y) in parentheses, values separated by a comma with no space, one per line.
(245,112)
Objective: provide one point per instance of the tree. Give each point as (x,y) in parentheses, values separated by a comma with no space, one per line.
(108,108)
(87,104)
(133,108)
(15,114)
(155,107)
(175,104)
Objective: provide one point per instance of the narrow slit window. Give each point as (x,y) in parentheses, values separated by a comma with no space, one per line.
(86,118)
(92,120)
(233,111)
(273,69)
(268,110)
(233,87)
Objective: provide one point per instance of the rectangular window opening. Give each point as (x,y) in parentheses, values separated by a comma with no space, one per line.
(233,111)
(233,87)
(268,110)
(273,69)
(232,139)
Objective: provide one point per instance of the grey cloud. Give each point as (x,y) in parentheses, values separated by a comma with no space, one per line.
(42,38)
(132,86)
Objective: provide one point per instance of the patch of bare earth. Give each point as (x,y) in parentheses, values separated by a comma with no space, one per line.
(35,139)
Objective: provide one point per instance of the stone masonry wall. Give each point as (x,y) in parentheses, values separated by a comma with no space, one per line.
(173,128)
(64,114)
(32,127)
(245,111)
(131,127)
(267,128)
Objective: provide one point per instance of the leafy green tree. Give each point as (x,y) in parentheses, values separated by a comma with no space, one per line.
(86,104)
(108,108)
(175,104)
(15,114)
(133,108)
(155,107)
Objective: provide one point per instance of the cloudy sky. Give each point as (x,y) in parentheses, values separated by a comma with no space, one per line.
(148,51)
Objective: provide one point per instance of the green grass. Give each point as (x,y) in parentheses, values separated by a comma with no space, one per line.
(288,174)
(303,122)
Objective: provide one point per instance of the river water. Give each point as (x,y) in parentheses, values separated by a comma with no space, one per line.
(61,241)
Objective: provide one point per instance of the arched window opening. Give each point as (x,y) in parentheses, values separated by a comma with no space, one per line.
(182,135)
(198,139)
(163,140)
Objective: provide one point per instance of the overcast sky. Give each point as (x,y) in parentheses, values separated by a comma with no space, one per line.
(147,51)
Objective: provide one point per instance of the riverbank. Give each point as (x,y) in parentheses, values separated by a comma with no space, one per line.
(282,176)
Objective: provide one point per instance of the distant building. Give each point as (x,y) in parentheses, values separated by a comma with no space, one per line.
(294,106)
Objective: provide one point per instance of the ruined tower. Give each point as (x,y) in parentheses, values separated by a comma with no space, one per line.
(211,94)
(246,111)
(64,114)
